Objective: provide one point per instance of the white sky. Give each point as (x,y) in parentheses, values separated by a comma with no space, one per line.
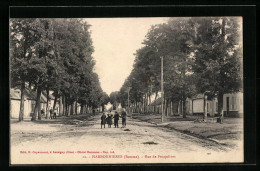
(115,40)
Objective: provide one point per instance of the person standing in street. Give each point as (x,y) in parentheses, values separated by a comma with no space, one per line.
(123,115)
(116,118)
(54,114)
(109,120)
(103,120)
(51,113)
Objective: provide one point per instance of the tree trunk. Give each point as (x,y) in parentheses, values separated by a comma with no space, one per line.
(155,102)
(69,110)
(35,111)
(184,108)
(149,105)
(76,107)
(205,109)
(179,108)
(21,112)
(143,105)
(192,106)
(171,113)
(72,109)
(220,107)
(55,101)
(60,106)
(47,105)
(146,103)
(86,109)
(37,105)
(81,109)
(64,105)
(39,92)
(39,111)
(166,107)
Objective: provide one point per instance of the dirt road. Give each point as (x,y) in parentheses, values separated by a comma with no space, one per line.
(79,139)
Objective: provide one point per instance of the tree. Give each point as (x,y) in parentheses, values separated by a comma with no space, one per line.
(104,100)
(55,54)
(114,99)
(23,35)
(173,41)
(218,57)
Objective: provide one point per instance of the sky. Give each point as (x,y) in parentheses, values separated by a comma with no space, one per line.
(115,41)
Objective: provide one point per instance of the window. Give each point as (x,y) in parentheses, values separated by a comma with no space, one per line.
(216,106)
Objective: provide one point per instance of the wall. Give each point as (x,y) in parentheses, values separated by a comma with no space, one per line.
(236,104)
(15,108)
(198,105)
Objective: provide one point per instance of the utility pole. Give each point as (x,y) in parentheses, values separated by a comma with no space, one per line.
(162,93)
(205,106)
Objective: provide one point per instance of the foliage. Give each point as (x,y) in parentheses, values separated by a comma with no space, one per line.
(200,55)
(55,54)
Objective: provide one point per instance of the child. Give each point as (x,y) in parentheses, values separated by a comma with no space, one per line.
(109,120)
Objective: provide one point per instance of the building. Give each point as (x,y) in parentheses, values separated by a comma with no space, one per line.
(15,99)
(173,108)
(195,105)
(29,102)
(233,104)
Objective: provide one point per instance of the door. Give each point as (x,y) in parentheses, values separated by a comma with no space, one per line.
(227,105)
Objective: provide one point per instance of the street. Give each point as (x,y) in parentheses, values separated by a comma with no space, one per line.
(80,139)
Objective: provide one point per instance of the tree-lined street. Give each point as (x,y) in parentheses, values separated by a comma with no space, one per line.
(83,133)
(188,68)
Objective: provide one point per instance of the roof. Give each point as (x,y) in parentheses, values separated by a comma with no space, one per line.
(50,95)
(198,96)
(28,94)
(15,94)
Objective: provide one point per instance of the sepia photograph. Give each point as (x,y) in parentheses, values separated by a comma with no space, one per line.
(136,90)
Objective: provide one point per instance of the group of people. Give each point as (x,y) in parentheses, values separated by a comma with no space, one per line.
(52,113)
(108,119)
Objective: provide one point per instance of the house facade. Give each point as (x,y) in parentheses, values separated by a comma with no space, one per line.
(233,104)
(15,99)
(29,102)
(195,105)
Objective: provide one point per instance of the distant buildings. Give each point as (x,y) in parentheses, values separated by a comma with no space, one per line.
(232,106)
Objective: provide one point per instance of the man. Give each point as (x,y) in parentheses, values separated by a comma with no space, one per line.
(123,115)
(116,118)
(103,120)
